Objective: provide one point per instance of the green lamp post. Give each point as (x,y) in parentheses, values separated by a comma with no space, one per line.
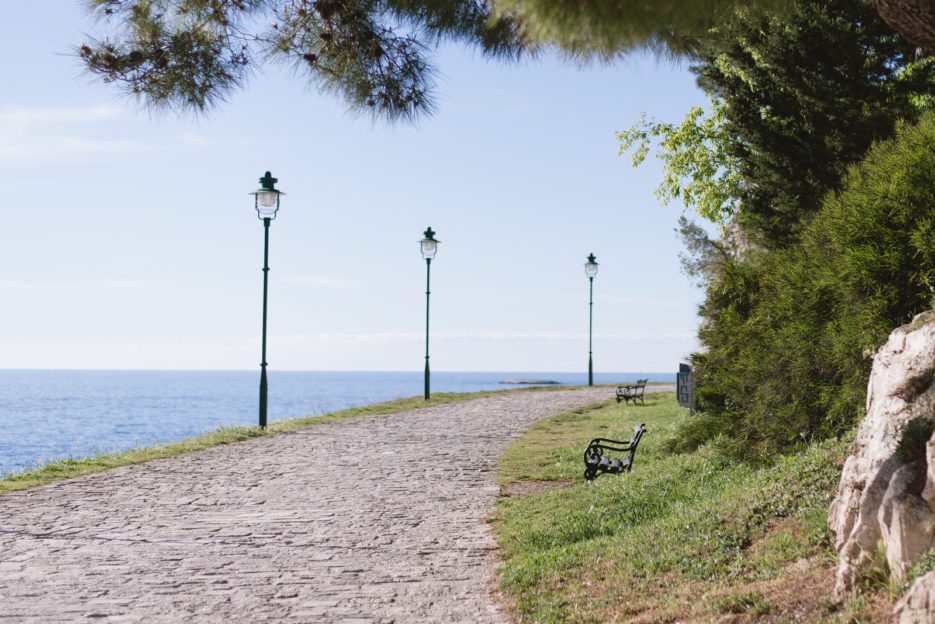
(429,247)
(590,269)
(266,202)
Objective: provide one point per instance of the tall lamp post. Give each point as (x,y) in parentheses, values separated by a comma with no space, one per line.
(429,247)
(590,269)
(266,202)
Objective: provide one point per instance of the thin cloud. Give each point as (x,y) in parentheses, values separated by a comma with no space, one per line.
(75,135)
(294,351)
(73,286)
(194,139)
(296,340)
(197,140)
(60,150)
(319,282)
(19,118)
(48,135)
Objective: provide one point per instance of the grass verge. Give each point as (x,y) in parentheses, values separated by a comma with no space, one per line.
(684,537)
(76,467)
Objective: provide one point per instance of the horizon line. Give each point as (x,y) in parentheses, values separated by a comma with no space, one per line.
(296,370)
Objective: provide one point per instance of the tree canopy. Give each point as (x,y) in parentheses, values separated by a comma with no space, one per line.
(190,54)
(804,96)
(376,54)
(794,100)
(608,28)
(613,26)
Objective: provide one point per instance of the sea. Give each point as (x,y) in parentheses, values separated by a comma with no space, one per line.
(48,415)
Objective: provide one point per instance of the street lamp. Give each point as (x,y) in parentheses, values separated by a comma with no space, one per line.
(590,269)
(266,202)
(429,247)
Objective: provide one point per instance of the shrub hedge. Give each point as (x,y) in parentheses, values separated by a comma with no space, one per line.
(791,332)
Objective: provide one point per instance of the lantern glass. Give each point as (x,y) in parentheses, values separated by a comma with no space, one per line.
(590,268)
(429,248)
(267,203)
(266,199)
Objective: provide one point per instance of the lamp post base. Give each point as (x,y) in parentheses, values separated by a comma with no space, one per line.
(427,392)
(264,392)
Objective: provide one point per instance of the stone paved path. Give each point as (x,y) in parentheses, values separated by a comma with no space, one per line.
(380,519)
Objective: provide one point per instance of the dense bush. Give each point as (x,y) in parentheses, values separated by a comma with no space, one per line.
(805,94)
(792,331)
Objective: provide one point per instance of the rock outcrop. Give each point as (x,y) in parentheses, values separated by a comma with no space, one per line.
(884,514)
(918,606)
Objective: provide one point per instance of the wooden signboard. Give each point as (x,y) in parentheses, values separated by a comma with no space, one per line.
(685,386)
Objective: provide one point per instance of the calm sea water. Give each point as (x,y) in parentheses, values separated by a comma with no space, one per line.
(49,415)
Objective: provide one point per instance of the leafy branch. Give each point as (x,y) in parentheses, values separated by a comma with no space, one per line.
(696,164)
(191,54)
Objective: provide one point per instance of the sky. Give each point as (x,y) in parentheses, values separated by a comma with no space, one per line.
(130,240)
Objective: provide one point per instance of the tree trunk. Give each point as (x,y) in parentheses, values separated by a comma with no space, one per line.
(913,19)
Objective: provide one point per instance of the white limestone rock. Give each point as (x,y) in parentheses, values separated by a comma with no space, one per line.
(906,520)
(918,605)
(885,497)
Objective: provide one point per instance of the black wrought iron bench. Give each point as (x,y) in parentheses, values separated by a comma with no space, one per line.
(632,392)
(597,462)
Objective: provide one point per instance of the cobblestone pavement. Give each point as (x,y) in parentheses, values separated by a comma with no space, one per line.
(374,520)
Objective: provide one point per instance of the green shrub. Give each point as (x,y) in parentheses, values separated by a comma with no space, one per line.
(792,331)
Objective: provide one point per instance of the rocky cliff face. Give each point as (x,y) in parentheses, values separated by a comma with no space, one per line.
(884,514)
(918,606)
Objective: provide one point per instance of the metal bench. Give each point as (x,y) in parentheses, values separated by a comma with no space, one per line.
(632,392)
(597,463)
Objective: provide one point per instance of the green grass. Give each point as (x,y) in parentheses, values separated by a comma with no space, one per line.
(744,602)
(683,537)
(70,468)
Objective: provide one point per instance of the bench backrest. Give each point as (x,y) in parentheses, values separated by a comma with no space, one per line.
(638,384)
(597,446)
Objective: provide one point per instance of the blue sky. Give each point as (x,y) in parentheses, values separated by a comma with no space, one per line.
(130,240)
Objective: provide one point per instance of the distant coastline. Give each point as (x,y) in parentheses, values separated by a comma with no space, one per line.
(530,382)
(48,415)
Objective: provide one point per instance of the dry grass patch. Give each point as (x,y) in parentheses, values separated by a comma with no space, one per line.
(532,486)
